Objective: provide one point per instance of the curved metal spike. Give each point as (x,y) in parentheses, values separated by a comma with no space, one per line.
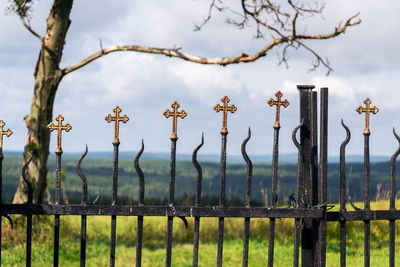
(184,221)
(9,220)
(392,178)
(249,168)
(243,148)
(140,174)
(296,143)
(342,171)
(194,155)
(397,153)
(351,203)
(85,197)
(25,178)
(199,171)
(348,136)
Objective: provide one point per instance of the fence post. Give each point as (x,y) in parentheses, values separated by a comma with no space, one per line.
(309,169)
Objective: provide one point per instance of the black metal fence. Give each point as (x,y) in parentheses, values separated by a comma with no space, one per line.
(308,207)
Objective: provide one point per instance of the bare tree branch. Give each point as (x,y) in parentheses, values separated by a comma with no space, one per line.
(25,22)
(243,58)
(318,59)
(338,30)
(175,52)
(213,5)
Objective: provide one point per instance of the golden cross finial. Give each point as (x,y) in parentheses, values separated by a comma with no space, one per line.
(367,110)
(117,118)
(225,108)
(174,114)
(7,133)
(278,103)
(59,128)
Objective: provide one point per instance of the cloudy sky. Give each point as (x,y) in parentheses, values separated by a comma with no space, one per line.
(365,62)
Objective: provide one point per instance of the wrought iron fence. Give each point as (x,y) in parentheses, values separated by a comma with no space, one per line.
(309,208)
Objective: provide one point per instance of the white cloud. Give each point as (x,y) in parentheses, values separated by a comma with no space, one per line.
(144,85)
(206,81)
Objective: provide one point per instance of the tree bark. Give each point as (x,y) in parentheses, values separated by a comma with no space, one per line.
(47,78)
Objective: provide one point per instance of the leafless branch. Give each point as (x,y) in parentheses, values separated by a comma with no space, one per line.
(213,5)
(340,29)
(26,23)
(318,59)
(265,14)
(175,52)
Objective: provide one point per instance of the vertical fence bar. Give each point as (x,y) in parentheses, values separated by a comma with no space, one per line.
(174,137)
(275,155)
(57,217)
(306,143)
(224,133)
(7,133)
(274,200)
(171,201)
(343,195)
(83,240)
(367,179)
(196,237)
(114,202)
(314,174)
(367,185)
(249,179)
(59,127)
(296,239)
(392,229)
(117,118)
(221,199)
(28,259)
(1,197)
(323,170)
(139,229)
(84,202)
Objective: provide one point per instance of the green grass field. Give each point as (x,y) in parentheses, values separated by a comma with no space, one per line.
(13,242)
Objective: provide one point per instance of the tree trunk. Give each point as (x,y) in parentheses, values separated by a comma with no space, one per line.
(47,78)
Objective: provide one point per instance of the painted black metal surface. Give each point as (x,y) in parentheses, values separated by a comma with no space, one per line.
(139,228)
(296,238)
(392,197)
(274,191)
(367,185)
(170,222)
(343,195)
(306,167)
(320,259)
(113,238)
(249,179)
(307,206)
(84,201)
(28,216)
(221,222)
(56,245)
(196,228)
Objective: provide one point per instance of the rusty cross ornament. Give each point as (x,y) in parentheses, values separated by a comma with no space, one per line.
(175,114)
(225,108)
(59,127)
(367,110)
(116,118)
(278,103)
(7,133)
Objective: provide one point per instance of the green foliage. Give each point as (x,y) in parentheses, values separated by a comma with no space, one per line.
(98,238)
(99,175)
(32,147)
(22,8)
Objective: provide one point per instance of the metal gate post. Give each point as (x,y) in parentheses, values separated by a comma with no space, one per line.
(309,169)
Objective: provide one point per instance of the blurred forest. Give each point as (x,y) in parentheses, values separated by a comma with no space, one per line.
(99,175)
